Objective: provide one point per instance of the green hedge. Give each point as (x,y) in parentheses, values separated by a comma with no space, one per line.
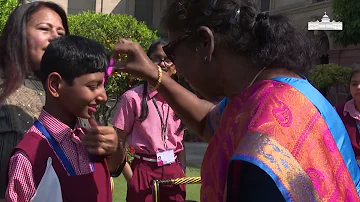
(107,29)
(324,76)
(6,7)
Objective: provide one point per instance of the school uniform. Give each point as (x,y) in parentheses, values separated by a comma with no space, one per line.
(160,132)
(51,164)
(351,118)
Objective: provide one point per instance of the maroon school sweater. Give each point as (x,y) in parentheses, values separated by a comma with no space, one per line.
(351,128)
(93,187)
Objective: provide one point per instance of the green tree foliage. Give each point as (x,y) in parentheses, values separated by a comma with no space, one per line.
(6,7)
(348,12)
(324,76)
(107,29)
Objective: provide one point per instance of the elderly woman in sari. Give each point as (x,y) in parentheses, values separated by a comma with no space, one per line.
(278,138)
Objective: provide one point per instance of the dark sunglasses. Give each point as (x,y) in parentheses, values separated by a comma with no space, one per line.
(171,47)
(166,61)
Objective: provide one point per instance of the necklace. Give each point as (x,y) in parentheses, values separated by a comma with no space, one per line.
(254,79)
(256,76)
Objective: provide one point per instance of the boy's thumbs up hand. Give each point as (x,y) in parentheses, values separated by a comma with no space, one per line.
(100,140)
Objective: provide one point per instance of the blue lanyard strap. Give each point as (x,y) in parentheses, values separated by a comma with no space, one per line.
(60,153)
(91,163)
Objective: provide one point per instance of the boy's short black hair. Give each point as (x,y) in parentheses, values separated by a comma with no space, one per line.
(73,56)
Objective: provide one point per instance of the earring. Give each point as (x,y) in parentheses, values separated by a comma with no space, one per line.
(206,59)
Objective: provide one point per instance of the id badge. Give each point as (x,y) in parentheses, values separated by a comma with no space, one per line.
(165,157)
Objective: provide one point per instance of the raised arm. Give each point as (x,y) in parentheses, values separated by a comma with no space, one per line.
(190,109)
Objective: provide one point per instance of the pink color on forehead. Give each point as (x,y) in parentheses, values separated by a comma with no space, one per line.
(109,69)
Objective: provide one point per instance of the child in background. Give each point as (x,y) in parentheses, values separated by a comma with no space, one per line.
(155,132)
(58,160)
(350,112)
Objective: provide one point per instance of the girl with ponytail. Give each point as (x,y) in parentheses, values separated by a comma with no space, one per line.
(149,125)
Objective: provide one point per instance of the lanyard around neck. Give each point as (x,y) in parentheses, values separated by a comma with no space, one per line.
(59,152)
(163,124)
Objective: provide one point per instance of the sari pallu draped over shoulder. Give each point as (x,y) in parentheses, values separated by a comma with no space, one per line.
(290,131)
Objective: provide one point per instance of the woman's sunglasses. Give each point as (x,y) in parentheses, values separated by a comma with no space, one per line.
(166,61)
(171,47)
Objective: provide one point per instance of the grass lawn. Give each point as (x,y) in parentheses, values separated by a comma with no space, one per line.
(192,190)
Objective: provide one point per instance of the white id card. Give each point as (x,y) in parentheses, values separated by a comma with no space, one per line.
(165,157)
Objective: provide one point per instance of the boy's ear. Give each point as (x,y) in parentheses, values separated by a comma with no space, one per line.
(54,83)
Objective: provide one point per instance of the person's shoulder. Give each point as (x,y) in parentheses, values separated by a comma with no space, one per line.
(340,107)
(345,109)
(134,93)
(271,89)
(136,89)
(32,133)
(267,94)
(266,90)
(26,99)
(31,141)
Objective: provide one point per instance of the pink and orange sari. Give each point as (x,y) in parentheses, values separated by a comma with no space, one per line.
(285,127)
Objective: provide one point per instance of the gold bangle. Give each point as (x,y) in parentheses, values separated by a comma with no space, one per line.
(112,185)
(158,80)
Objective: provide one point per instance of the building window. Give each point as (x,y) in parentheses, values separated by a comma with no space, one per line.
(78,6)
(264,5)
(144,11)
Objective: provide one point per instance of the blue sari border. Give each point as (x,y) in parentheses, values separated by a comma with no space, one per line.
(222,105)
(266,153)
(332,119)
(250,159)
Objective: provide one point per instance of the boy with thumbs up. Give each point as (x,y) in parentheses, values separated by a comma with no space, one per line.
(58,160)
